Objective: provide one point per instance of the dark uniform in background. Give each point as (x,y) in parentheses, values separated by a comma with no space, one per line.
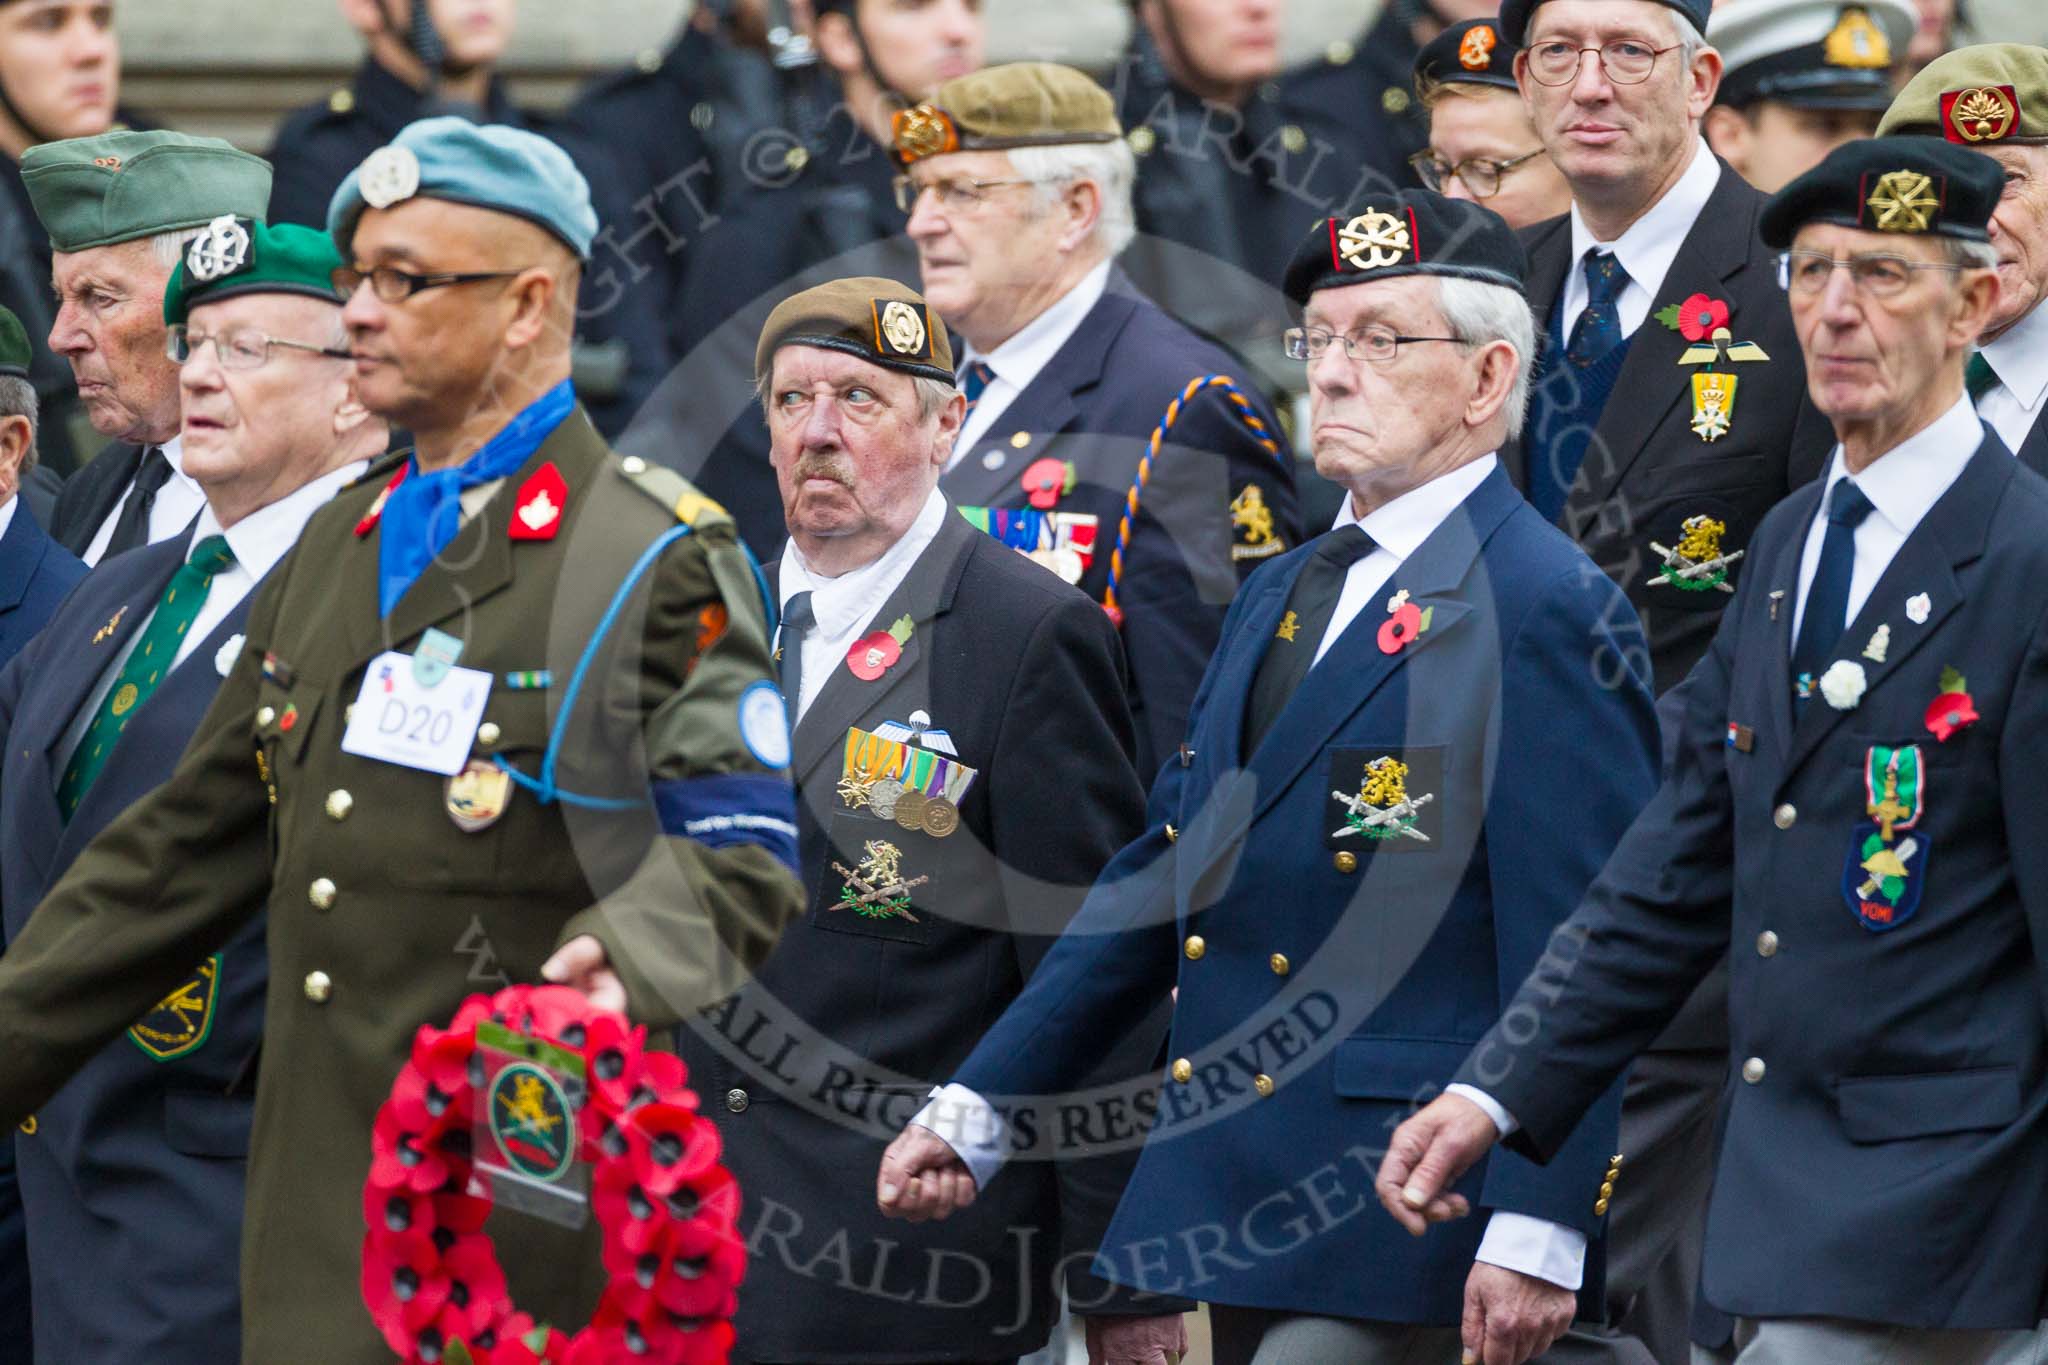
(35,571)
(619,353)
(392,893)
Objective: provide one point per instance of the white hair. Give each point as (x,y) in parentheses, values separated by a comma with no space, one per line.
(1478,313)
(1970,255)
(1109,166)
(1691,42)
(169,247)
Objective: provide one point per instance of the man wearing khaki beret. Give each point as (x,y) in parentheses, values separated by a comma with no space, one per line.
(963,769)
(1994,99)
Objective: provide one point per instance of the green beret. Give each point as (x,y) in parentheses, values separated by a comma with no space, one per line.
(879,320)
(242,256)
(119,187)
(1023,104)
(1977,97)
(14,351)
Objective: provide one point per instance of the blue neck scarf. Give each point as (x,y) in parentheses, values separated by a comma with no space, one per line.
(425,511)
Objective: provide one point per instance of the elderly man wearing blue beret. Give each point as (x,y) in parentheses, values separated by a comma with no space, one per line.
(467,580)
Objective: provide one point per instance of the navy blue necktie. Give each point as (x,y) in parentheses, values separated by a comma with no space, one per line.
(1598,329)
(797,622)
(1827,598)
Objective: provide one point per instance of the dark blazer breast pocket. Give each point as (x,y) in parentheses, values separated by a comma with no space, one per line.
(879,880)
(1891,1108)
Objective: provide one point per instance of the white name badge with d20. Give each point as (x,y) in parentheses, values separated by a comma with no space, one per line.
(398,720)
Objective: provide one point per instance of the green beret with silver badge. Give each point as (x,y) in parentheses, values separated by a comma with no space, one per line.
(240,256)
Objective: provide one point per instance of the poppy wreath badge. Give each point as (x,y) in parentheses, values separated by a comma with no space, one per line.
(460,1115)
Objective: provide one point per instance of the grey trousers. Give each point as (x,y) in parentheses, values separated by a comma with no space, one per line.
(1258,1336)
(1839,1341)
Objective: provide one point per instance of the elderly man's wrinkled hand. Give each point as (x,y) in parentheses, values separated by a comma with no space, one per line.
(922,1179)
(1425,1158)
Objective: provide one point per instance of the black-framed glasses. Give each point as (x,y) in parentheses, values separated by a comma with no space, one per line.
(396,286)
(241,348)
(953,194)
(1375,344)
(1481,175)
(1877,275)
(1625,60)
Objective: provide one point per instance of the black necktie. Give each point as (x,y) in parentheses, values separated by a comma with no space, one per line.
(1978,377)
(132,527)
(1827,598)
(797,620)
(1309,608)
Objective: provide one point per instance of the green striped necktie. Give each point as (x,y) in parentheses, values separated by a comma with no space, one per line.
(154,653)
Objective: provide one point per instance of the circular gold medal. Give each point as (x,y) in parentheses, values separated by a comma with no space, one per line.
(941,817)
(910,809)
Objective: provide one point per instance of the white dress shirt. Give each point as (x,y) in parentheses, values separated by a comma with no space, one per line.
(259,540)
(177,502)
(7,514)
(1017,361)
(1514,1241)
(1647,249)
(2020,360)
(1902,485)
(846,606)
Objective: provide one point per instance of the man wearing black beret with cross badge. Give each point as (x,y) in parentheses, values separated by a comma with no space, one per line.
(1399,776)
(1852,819)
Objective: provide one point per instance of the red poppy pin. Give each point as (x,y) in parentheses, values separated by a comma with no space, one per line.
(1405,621)
(1048,480)
(1697,318)
(875,654)
(1952,708)
(537,514)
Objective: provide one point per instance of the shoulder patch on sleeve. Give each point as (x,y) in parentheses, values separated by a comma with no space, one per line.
(674,492)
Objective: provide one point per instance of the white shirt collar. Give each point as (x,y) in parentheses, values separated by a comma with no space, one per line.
(174,455)
(1905,482)
(845,602)
(2020,357)
(1018,360)
(1399,527)
(7,513)
(263,537)
(1650,244)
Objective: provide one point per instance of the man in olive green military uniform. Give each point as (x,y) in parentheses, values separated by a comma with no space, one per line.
(626,827)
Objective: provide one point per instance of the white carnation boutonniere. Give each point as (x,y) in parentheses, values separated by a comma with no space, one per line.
(1843,684)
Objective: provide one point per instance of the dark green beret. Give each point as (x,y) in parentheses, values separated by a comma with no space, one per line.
(120,187)
(14,351)
(878,320)
(242,256)
(1910,185)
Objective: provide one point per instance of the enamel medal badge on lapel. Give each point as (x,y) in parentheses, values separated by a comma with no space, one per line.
(1704,322)
(1885,873)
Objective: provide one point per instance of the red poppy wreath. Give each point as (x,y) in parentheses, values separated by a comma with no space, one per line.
(666,1206)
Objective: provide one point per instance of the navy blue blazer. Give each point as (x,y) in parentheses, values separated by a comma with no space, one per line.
(1885,1154)
(133,1173)
(1329,981)
(35,573)
(1095,405)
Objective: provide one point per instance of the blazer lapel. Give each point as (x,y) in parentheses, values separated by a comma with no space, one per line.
(925,593)
(1355,668)
(81,667)
(1783,577)
(1952,534)
(1549,245)
(1651,384)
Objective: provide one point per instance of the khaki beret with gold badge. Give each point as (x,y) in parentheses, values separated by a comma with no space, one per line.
(1023,104)
(1983,96)
(875,319)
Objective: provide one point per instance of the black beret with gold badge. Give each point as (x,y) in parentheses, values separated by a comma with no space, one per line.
(1914,186)
(1407,232)
(1022,104)
(878,320)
